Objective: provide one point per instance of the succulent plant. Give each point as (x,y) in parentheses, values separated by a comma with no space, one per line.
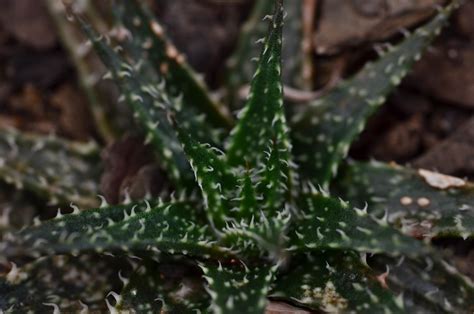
(251,217)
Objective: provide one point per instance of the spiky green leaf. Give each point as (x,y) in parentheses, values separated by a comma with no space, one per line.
(277,179)
(213,176)
(238,289)
(328,125)
(331,223)
(256,230)
(150,103)
(150,50)
(335,282)
(419,202)
(260,137)
(428,285)
(261,236)
(56,170)
(169,286)
(247,197)
(262,120)
(171,228)
(180,79)
(241,70)
(70,284)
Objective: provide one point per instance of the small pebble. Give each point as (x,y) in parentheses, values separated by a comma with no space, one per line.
(406,200)
(423,202)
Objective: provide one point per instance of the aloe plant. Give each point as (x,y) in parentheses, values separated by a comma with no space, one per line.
(254,220)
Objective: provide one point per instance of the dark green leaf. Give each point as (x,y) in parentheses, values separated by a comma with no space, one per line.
(238,289)
(240,66)
(150,50)
(419,202)
(170,286)
(260,137)
(57,170)
(171,228)
(241,69)
(335,282)
(262,235)
(213,176)
(332,223)
(178,76)
(428,285)
(248,197)
(277,179)
(324,130)
(262,120)
(69,283)
(150,104)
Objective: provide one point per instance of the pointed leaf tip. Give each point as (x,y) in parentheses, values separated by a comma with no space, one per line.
(262,117)
(330,124)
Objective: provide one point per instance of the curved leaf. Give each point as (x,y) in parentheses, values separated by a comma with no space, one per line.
(238,289)
(169,286)
(241,69)
(324,130)
(419,202)
(179,78)
(57,170)
(213,176)
(67,283)
(428,285)
(336,282)
(261,235)
(171,228)
(332,223)
(262,120)
(150,104)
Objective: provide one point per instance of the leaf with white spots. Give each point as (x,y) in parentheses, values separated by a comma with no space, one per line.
(56,170)
(151,45)
(236,288)
(69,283)
(297,59)
(261,236)
(429,285)
(170,228)
(241,68)
(247,197)
(419,202)
(213,176)
(277,178)
(259,226)
(164,74)
(168,286)
(324,129)
(331,223)
(150,103)
(262,121)
(335,282)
